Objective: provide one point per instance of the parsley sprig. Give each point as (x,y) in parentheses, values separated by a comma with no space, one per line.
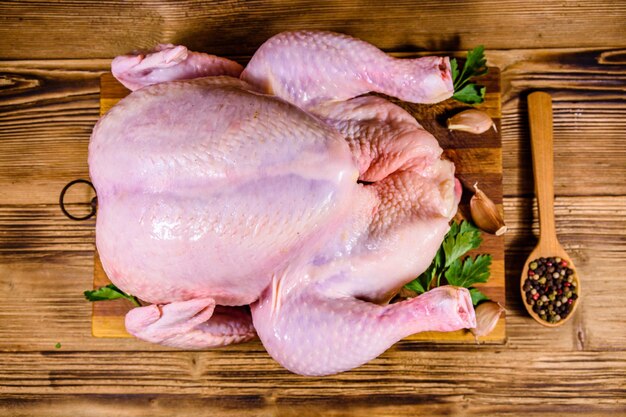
(110,292)
(449,267)
(475,66)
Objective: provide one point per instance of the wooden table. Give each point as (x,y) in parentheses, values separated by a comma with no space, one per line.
(52,55)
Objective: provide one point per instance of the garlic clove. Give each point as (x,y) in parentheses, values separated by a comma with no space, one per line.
(487,316)
(486,214)
(472,121)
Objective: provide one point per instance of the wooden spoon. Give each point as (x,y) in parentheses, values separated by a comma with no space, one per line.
(540,116)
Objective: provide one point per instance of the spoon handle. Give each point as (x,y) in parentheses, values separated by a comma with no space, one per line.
(540,115)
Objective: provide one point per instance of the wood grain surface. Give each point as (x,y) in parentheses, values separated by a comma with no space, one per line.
(42,30)
(49,102)
(477,159)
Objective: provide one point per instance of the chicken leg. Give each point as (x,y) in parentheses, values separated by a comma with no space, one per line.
(311,332)
(311,67)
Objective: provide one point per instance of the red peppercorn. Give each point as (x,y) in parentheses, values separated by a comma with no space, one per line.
(559,292)
(535,296)
(567,284)
(531,273)
(549,263)
(563,263)
(570,301)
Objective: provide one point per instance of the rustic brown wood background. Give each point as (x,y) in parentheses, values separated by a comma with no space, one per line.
(51,57)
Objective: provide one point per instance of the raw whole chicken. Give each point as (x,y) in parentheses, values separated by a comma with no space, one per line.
(276,200)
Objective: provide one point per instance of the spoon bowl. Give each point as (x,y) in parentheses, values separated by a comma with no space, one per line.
(540,117)
(547,252)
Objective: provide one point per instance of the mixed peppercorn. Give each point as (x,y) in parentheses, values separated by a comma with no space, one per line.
(550,288)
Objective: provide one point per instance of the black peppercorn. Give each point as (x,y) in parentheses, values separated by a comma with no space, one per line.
(550,289)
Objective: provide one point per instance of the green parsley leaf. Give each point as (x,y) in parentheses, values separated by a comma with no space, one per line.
(475,66)
(110,292)
(477,296)
(470,94)
(420,284)
(460,240)
(58,345)
(437,264)
(454,69)
(469,272)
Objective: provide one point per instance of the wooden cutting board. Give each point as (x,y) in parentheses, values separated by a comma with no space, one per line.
(478,158)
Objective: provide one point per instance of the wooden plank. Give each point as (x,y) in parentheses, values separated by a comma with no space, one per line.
(589,111)
(47,111)
(492,381)
(44,30)
(391,405)
(477,156)
(44,228)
